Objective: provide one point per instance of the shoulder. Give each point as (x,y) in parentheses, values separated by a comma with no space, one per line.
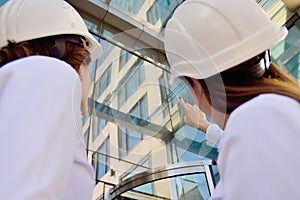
(39,64)
(41,72)
(273,106)
(266,116)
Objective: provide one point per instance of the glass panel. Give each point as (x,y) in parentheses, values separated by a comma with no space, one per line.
(101,124)
(135,110)
(133,138)
(124,57)
(144,108)
(131,6)
(138,169)
(2,2)
(101,166)
(122,96)
(216,174)
(97,89)
(188,187)
(161,10)
(194,187)
(141,73)
(267,5)
(107,163)
(95,127)
(103,81)
(132,85)
(162,114)
(286,54)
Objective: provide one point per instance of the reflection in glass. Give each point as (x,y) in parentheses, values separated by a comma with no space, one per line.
(100,161)
(131,6)
(189,187)
(124,57)
(140,109)
(98,126)
(128,139)
(129,86)
(160,10)
(103,82)
(286,54)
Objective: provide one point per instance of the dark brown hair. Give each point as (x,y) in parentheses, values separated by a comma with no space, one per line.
(74,53)
(274,80)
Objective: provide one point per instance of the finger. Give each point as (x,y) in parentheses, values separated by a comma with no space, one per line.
(196,107)
(189,106)
(183,104)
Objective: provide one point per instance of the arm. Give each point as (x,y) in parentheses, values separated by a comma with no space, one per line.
(257,160)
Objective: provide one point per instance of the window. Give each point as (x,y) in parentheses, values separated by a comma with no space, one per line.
(128,139)
(159,10)
(286,54)
(101,161)
(131,85)
(103,82)
(124,57)
(98,126)
(132,6)
(140,109)
(143,166)
(167,98)
(267,5)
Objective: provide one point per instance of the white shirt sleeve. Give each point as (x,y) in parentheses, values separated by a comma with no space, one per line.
(39,120)
(259,157)
(214,134)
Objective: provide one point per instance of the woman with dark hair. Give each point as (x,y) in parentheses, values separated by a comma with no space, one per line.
(45,49)
(222,52)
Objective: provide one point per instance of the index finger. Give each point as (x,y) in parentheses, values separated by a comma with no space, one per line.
(183,104)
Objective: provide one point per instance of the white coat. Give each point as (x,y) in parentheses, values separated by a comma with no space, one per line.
(41,148)
(259,152)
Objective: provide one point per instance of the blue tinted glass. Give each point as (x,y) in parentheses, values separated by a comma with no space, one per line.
(134,111)
(122,96)
(133,138)
(144,108)
(2,2)
(101,167)
(102,124)
(192,187)
(97,89)
(132,85)
(147,188)
(132,6)
(286,54)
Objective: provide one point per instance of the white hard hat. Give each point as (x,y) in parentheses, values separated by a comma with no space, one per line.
(22,20)
(206,37)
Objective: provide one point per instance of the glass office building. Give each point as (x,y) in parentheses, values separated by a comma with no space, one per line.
(135,136)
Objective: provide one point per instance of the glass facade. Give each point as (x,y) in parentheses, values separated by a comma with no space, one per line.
(2,2)
(135,109)
(286,53)
(135,124)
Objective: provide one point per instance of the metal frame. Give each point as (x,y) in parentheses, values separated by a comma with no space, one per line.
(168,171)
